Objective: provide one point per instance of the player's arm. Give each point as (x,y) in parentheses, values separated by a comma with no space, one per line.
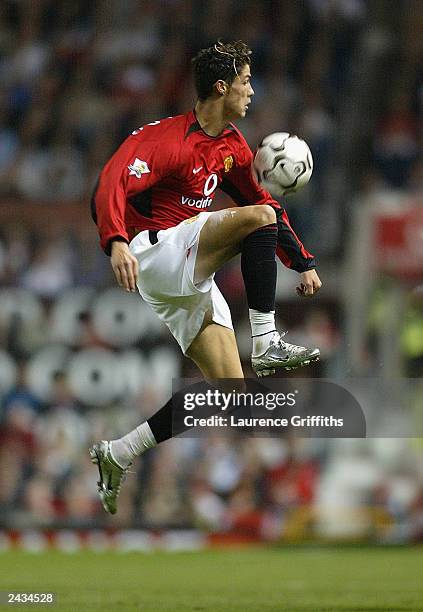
(293,254)
(127,171)
(108,211)
(124,265)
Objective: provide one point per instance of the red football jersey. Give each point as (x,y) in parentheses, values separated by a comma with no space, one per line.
(169,170)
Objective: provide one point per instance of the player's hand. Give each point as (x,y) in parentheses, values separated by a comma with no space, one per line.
(125,266)
(310,283)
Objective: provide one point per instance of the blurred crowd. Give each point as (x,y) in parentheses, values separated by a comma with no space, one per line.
(75,79)
(78,77)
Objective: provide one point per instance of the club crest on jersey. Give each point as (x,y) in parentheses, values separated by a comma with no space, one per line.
(228,162)
(138,168)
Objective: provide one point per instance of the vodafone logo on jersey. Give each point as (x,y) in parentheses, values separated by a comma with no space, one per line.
(209,188)
(200,203)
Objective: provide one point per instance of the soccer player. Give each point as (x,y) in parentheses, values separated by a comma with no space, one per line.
(150,205)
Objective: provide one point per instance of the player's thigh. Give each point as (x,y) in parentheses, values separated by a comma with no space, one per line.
(215,352)
(223,233)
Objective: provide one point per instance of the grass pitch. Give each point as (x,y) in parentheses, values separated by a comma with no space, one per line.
(259,579)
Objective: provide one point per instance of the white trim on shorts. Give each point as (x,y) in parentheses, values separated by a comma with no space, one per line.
(166,280)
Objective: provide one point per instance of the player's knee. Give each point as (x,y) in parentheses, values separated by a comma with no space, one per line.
(264,215)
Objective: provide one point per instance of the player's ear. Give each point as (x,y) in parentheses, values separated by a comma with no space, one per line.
(221,87)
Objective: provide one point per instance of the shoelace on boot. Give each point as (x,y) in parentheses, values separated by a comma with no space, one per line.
(291,349)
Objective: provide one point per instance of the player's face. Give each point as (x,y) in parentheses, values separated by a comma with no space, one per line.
(239,95)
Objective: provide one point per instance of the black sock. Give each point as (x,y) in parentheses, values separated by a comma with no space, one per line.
(165,423)
(258,267)
(161,423)
(169,420)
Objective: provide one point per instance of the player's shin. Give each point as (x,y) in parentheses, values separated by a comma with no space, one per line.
(158,428)
(259,272)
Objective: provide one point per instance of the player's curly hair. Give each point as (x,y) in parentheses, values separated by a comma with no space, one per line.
(221,61)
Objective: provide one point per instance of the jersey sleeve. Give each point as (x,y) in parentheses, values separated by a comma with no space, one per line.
(243,188)
(135,167)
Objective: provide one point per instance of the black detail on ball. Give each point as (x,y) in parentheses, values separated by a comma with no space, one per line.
(277,159)
(294,184)
(281,148)
(308,161)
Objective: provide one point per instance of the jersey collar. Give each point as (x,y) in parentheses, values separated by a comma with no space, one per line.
(194,126)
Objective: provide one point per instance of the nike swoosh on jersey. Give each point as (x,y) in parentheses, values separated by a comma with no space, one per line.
(197,170)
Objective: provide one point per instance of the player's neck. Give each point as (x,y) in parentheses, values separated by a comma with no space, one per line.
(210,117)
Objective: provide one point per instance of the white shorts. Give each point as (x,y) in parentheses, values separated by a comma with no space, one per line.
(166,280)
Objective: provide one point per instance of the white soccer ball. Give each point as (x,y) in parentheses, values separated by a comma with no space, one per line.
(283,163)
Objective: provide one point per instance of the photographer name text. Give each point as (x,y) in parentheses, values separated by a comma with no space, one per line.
(234,421)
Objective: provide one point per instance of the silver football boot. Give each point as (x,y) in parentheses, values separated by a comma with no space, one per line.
(112,475)
(281,354)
